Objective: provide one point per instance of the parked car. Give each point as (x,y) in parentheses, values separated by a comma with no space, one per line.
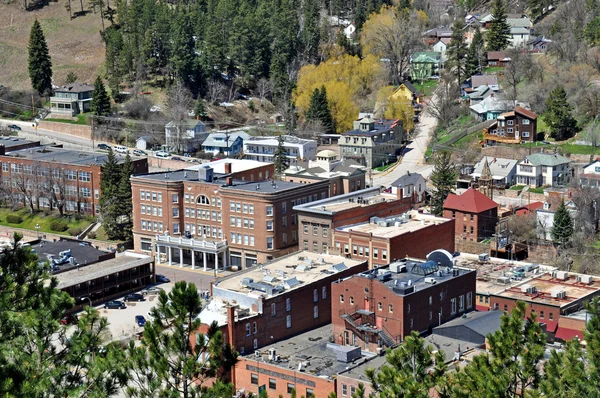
(139,152)
(140,320)
(134,297)
(177,158)
(121,149)
(162,279)
(104,146)
(152,290)
(14,127)
(68,320)
(115,305)
(162,154)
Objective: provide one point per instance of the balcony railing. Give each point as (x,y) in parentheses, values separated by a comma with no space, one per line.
(499,138)
(191,243)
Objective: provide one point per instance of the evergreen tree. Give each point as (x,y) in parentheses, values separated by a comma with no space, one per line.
(360,15)
(109,199)
(457,51)
(311,34)
(40,65)
(558,115)
(200,110)
(443,179)
(318,110)
(125,203)
(498,36)
(100,104)
(183,49)
(562,228)
(285,27)
(71,78)
(475,55)
(280,156)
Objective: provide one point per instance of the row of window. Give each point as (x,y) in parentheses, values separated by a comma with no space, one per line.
(273,386)
(239,207)
(471,216)
(150,195)
(203,214)
(315,230)
(245,223)
(202,200)
(206,230)
(84,176)
(461,303)
(148,225)
(248,240)
(151,210)
(363,250)
(315,247)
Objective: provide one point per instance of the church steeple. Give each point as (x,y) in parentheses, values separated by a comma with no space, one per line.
(486,181)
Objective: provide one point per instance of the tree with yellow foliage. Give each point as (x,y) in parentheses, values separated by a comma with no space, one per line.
(347,80)
(394,34)
(395,107)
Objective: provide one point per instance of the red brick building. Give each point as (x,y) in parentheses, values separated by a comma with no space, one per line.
(384,240)
(380,307)
(475,215)
(51,175)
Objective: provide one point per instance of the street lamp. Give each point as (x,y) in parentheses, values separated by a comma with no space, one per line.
(86,298)
(37,228)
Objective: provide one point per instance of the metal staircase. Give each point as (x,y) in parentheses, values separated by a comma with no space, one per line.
(387,340)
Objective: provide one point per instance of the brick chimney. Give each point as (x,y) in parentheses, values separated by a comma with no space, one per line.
(227,168)
(2,150)
(229,180)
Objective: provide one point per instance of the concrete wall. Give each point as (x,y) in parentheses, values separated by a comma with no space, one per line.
(67,128)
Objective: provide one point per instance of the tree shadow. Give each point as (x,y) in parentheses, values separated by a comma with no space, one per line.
(80,14)
(37,5)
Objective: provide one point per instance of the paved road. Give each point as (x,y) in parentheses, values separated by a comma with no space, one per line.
(200,278)
(413,154)
(48,135)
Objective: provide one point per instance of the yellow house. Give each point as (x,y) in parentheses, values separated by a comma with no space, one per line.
(408,91)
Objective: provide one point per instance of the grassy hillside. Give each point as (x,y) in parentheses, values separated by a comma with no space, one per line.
(74,45)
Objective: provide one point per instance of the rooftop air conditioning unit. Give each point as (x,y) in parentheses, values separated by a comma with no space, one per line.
(586,279)
(272,354)
(257,354)
(430,280)
(528,289)
(562,275)
(560,294)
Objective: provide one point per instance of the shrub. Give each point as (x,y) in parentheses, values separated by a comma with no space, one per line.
(91,235)
(75,231)
(58,226)
(14,219)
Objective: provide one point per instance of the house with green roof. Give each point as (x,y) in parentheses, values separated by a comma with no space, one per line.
(425,64)
(544,169)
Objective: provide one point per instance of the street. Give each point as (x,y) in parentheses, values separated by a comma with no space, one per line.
(413,154)
(29,132)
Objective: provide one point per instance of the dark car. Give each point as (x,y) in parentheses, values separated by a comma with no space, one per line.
(162,279)
(115,305)
(68,320)
(140,320)
(177,158)
(14,127)
(134,297)
(104,146)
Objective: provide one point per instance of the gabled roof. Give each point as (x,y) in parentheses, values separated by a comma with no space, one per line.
(480,92)
(484,80)
(471,201)
(523,22)
(479,323)
(426,57)
(410,87)
(75,88)
(525,112)
(547,159)
(499,167)
(407,179)
(499,55)
(491,104)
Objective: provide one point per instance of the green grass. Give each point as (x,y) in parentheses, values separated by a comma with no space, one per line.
(44,221)
(493,69)
(81,119)
(541,125)
(536,190)
(517,187)
(580,149)
(427,88)
(385,167)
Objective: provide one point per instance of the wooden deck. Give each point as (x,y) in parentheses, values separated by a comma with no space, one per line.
(498,138)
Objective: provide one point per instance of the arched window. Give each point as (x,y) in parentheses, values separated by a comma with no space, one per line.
(203,200)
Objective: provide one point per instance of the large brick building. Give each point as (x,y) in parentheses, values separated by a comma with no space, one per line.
(382,240)
(317,220)
(215,220)
(475,214)
(380,307)
(50,176)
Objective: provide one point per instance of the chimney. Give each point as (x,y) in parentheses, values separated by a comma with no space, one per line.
(227,168)
(228,180)
(2,150)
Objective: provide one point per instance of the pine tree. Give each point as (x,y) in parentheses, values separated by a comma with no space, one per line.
(109,199)
(200,110)
(318,110)
(125,203)
(498,36)
(311,33)
(558,115)
(562,228)
(280,156)
(475,58)
(443,179)
(40,64)
(100,104)
(457,51)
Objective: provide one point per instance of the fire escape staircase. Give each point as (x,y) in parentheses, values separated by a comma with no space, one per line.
(350,318)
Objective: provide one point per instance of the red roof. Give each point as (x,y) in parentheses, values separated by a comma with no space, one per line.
(529,208)
(525,112)
(568,334)
(471,201)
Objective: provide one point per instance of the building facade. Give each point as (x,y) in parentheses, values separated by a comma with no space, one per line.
(185,136)
(519,125)
(475,215)
(372,143)
(263,148)
(72,99)
(543,169)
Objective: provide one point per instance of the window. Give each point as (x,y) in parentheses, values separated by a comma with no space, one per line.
(269,225)
(472,217)
(288,321)
(247,329)
(324,248)
(464,228)
(324,292)
(525,134)
(472,229)
(390,308)
(272,384)
(85,192)
(290,388)
(175,198)
(270,242)
(175,211)
(254,328)
(84,176)
(244,208)
(315,296)
(316,311)
(273,309)
(305,228)
(506,309)
(255,344)
(346,248)
(430,300)
(310,393)
(384,254)
(283,208)
(550,316)
(203,200)
(305,245)
(341,298)
(254,379)
(509,122)
(146,244)
(453,306)
(284,221)
(379,306)
(315,230)
(351,300)
(269,210)
(541,314)
(375,252)
(525,121)
(344,390)
(509,130)
(453,214)
(250,209)
(315,247)
(325,231)
(461,303)
(469,300)
(159,197)
(288,304)
(5,167)
(71,174)
(354,249)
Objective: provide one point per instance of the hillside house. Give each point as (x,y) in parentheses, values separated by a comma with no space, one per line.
(543,169)
(514,127)
(72,99)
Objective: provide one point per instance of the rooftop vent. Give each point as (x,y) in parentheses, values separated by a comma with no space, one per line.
(430,280)
(586,279)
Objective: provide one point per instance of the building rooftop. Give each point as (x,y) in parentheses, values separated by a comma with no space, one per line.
(284,273)
(480,323)
(358,372)
(64,156)
(547,159)
(313,353)
(407,179)
(499,167)
(223,140)
(288,139)
(471,201)
(10,142)
(122,262)
(394,226)
(75,88)
(492,104)
(82,252)
(330,206)
(379,126)
(237,165)
(484,80)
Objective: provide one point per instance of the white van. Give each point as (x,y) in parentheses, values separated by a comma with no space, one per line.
(120,149)
(162,154)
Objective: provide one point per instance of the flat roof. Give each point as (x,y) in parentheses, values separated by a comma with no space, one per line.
(350,200)
(64,156)
(237,165)
(83,252)
(312,352)
(297,269)
(122,262)
(396,226)
(10,141)
(358,372)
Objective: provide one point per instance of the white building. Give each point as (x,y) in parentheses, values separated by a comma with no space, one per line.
(520,31)
(590,175)
(441,47)
(503,170)
(545,218)
(185,136)
(543,169)
(411,185)
(263,148)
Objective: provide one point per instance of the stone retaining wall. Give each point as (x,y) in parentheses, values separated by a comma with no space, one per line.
(465,246)
(77,130)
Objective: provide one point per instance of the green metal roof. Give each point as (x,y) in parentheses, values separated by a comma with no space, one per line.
(547,159)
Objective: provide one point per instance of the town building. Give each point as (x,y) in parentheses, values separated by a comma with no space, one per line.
(520,31)
(308,363)
(547,169)
(410,185)
(185,136)
(539,44)
(545,215)
(380,307)
(590,175)
(263,148)
(318,220)
(344,176)
(514,127)
(475,215)
(425,64)
(477,81)
(490,108)
(406,90)
(479,94)
(432,36)
(372,143)
(441,46)
(382,240)
(17,143)
(198,217)
(229,144)
(71,100)
(497,58)
(147,142)
(503,171)
(51,177)
(271,302)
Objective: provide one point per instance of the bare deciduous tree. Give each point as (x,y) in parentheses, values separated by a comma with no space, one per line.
(179,104)
(444,106)
(264,89)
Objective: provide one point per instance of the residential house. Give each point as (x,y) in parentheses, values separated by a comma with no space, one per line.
(539,44)
(514,127)
(72,99)
(503,171)
(475,81)
(372,143)
(520,31)
(146,142)
(474,213)
(478,95)
(229,144)
(185,136)
(547,169)
(545,215)
(425,64)
(407,91)
(590,175)
(490,108)
(441,47)
(434,35)
(410,185)
(497,58)
(263,148)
